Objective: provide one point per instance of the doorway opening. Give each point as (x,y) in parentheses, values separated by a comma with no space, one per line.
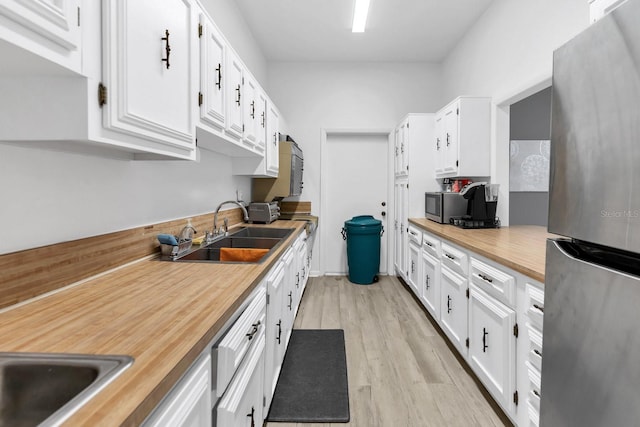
(354,181)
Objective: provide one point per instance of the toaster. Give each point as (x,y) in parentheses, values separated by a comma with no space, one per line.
(263,212)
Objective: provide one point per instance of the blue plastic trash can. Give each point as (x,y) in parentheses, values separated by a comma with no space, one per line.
(362,234)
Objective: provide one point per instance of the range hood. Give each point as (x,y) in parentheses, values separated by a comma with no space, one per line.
(289,180)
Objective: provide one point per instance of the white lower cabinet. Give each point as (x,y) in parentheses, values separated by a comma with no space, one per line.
(453,307)
(414,271)
(189,403)
(492,346)
(431,284)
(274,347)
(242,403)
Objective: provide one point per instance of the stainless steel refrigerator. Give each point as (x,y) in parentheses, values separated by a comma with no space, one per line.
(591,335)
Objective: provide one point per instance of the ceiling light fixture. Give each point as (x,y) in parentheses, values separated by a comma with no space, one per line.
(360,16)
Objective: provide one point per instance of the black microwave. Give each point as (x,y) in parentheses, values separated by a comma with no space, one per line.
(440,207)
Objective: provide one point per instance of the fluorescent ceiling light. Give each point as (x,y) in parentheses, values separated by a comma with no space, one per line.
(360,16)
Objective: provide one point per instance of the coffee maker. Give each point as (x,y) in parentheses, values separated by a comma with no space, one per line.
(482,201)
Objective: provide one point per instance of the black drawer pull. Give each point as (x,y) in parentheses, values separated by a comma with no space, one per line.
(253,330)
(484,340)
(485,278)
(536,306)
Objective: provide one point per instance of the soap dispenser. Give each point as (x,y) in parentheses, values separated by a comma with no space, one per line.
(187,232)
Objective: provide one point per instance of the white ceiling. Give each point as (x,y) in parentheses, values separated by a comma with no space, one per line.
(397,30)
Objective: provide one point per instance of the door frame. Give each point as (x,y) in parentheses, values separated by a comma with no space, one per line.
(323,235)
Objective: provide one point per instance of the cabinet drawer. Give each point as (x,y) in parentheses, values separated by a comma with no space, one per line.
(431,245)
(415,235)
(241,405)
(535,347)
(496,283)
(455,259)
(534,387)
(240,338)
(535,304)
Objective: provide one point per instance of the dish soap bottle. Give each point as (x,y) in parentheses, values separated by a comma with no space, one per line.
(187,232)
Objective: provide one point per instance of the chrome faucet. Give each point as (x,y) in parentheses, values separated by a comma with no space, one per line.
(216,231)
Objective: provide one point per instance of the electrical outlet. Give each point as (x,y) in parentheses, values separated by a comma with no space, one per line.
(239,196)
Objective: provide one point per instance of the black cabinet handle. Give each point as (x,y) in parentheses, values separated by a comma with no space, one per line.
(167,47)
(448,143)
(427,282)
(263,119)
(290,300)
(438,144)
(219,71)
(253,109)
(279,330)
(484,340)
(538,352)
(538,307)
(413,267)
(485,278)
(448,304)
(254,329)
(253,421)
(238,100)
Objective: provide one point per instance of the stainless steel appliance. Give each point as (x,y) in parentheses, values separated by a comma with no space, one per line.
(440,207)
(262,212)
(591,339)
(289,180)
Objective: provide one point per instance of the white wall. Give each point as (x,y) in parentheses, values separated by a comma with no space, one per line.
(506,53)
(339,95)
(50,197)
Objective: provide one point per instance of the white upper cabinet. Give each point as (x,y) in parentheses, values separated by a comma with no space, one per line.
(212,64)
(261,120)
(49,29)
(462,142)
(249,121)
(234,95)
(599,8)
(149,68)
(273,140)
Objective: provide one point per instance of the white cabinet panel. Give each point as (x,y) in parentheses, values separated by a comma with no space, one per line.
(189,403)
(249,121)
(149,68)
(236,343)
(492,346)
(431,245)
(212,66)
(47,28)
(453,307)
(455,259)
(272,153)
(414,273)
(431,284)
(233,82)
(274,347)
(241,406)
(494,281)
(400,228)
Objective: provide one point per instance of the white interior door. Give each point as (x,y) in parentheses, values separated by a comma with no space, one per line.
(355,180)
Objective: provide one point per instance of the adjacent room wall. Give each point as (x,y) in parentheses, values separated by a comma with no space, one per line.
(354,96)
(507,52)
(530,119)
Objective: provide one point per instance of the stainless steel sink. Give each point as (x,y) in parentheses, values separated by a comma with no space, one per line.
(41,389)
(248,237)
(278,233)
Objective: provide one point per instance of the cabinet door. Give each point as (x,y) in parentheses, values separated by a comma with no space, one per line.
(451,139)
(212,68)
(453,307)
(48,28)
(274,344)
(273,140)
(492,345)
(414,272)
(149,69)
(404,149)
(289,260)
(401,232)
(261,121)
(233,82)
(241,405)
(249,92)
(396,152)
(431,284)
(189,403)
(440,146)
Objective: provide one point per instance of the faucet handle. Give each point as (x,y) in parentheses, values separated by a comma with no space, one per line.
(226,225)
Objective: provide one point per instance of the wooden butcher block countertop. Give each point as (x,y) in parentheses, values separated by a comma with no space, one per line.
(521,247)
(163,314)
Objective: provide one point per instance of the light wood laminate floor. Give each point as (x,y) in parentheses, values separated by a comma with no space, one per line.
(400,370)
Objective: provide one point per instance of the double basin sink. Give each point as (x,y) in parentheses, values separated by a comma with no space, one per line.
(42,389)
(265,238)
